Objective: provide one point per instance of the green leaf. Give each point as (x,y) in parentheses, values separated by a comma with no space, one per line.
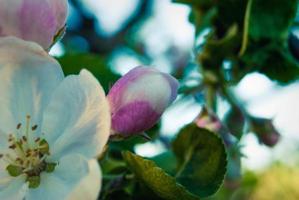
(280,66)
(74,63)
(273,60)
(202,160)
(271,19)
(167,161)
(156,179)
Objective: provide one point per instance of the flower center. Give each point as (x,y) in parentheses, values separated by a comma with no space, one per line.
(26,154)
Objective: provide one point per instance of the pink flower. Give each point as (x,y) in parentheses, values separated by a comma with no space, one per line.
(34,20)
(139,98)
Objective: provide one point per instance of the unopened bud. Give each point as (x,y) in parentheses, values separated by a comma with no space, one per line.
(138,100)
(265,131)
(208,120)
(40,21)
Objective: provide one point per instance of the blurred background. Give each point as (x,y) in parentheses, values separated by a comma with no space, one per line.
(122,34)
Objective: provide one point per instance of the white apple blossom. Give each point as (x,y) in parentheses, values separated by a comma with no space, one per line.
(51,126)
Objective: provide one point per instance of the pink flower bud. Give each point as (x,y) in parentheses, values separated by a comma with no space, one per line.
(208,120)
(139,98)
(34,20)
(265,131)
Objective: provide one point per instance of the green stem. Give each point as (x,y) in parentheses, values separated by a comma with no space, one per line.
(211,98)
(246,28)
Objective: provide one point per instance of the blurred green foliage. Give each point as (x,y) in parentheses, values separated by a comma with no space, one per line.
(74,63)
(258,41)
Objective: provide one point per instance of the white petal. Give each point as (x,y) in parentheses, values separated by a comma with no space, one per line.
(3,142)
(4,176)
(153,88)
(14,189)
(58,184)
(77,119)
(28,77)
(89,188)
